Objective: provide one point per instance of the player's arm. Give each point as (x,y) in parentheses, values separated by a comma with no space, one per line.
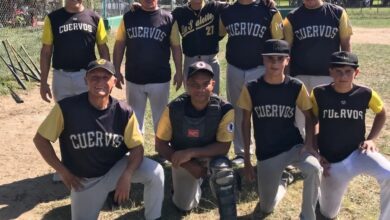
(277,26)
(288,31)
(101,40)
(177,56)
(45,59)
(345,28)
(119,50)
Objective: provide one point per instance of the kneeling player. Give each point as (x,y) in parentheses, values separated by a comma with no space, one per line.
(194,133)
(345,152)
(271,101)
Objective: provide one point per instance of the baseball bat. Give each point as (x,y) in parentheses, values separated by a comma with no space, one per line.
(36,68)
(28,74)
(17,60)
(15,96)
(9,57)
(20,82)
(36,76)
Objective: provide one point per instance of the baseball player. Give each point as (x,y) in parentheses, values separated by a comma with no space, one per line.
(146,35)
(194,133)
(69,37)
(95,132)
(248,25)
(314,31)
(345,151)
(271,101)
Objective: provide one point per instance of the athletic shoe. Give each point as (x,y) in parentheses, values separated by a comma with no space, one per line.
(287,178)
(238,160)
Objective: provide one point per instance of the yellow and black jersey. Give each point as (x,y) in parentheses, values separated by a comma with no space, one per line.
(199,29)
(314,35)
(91,140)
(341,119)
(148,37)
(248,27)
(73,36)
(273,113)
(185,127)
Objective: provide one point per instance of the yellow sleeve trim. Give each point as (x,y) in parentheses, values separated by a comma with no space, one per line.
(133,136)
(47,34)
(164,128)
(226,127)
(345,26)
(175,35)
(245,101)
(288,32)
(277,26)
(314,103)
(303,100)
(101,34)
(376,103)
(52,127)
(121,32)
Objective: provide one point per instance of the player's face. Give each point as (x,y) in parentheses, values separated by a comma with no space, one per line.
(275,65)
(73,3)
(200,87)
(100,82)
(343,76)
(312,4)
(149,5)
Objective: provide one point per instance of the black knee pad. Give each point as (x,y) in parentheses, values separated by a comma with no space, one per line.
(222,185)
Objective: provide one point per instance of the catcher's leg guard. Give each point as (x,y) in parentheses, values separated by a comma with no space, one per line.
(222,186)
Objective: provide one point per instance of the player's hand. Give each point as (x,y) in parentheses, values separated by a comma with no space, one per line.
(135,6)
(71,181)
(122,190)
(249,171)
(45,92)
(178,80)
(368,146)
(196,170)
(119,80)
(325,166)
(180,157)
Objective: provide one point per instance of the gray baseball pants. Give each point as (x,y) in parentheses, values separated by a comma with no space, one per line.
(212,60)
(236,79)
(334,186)
(86,203)
(271,190)
(67,84)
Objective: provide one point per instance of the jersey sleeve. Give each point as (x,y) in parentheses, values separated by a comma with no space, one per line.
(376,103)
(245,101)
(101,34)
(345,26)
(277,26)
(175,35)
(121,32)
(47,34)
(314,103)
(133,136)
(52,127)
(303,100)
(226,127)
(164,128)
(288,31)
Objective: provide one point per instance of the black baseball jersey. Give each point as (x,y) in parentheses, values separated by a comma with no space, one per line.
(74,37)
(148,46)
(91,140)
(342,119)
(316,35)
(248,27)
(273,114)
(199,29)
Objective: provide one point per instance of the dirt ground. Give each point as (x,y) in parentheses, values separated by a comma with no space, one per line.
(26,191)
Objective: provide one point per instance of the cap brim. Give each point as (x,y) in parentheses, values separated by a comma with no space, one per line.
(100,67)
(276,54)
(344,63)
(189,75)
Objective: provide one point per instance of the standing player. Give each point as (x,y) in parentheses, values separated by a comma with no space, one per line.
(69,36)
(271,101)
(248,25)
(95,132)
(195,133)
(345,152)
(147,37)
(314,31)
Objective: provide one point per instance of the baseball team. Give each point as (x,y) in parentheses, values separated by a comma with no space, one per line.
(292,80)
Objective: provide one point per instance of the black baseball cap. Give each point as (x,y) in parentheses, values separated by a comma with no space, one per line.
(275,47)
(199,66)
(344,58)
(101,63)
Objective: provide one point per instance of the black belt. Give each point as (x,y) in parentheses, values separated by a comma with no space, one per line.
(69,70)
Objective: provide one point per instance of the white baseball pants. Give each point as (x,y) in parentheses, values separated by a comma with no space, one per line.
(67,84)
